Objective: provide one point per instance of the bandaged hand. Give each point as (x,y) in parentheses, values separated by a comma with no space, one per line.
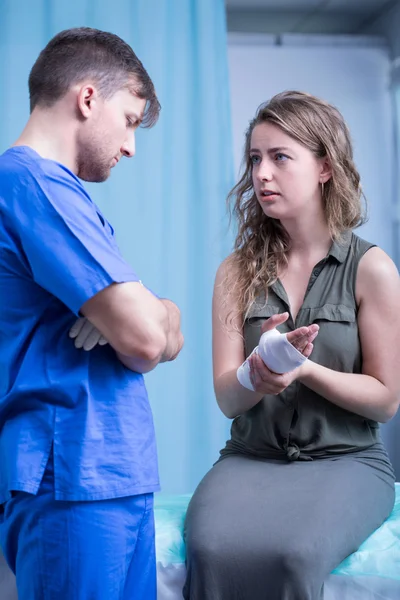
(275,362)
(86,335)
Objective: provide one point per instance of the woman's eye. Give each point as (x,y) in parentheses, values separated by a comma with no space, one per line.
(281,157)
(254,159)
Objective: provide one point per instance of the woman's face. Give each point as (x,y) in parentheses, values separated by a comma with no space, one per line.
(287,176)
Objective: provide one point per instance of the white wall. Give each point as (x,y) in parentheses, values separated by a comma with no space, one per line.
(353,77)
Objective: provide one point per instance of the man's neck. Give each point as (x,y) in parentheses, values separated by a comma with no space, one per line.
(45,134)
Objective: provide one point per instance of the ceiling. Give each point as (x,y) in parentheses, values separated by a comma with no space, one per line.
(305,16)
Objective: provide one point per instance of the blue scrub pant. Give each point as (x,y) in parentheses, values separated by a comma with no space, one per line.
(100,550)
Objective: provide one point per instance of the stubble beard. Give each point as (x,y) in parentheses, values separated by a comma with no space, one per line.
(93,162)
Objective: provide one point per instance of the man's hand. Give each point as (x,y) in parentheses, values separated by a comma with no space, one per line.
(86,335)
(175,338)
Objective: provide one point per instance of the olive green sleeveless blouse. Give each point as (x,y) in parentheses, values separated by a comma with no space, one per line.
(299,423)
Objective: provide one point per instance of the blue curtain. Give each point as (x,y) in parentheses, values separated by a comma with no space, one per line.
(167,205)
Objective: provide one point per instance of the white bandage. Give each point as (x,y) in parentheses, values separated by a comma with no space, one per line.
(279,355)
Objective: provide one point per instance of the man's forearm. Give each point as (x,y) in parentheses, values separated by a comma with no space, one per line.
(139,365)
(173,343)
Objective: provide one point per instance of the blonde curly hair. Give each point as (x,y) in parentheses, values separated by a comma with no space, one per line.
(262,244)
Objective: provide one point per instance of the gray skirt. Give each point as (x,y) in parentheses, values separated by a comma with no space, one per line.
(273,530)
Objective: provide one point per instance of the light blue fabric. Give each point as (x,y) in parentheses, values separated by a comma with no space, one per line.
(167,205)
(378,556)
(169,515)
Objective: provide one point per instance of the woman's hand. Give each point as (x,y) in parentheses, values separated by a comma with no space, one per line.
(262,378)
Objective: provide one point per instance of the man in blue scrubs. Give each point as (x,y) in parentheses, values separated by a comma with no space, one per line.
(78,463)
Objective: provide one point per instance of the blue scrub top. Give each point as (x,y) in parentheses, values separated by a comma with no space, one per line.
(56,251)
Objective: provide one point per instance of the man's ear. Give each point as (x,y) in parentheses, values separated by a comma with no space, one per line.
(87,99)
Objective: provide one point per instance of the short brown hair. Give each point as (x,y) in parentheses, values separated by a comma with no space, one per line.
(76,54)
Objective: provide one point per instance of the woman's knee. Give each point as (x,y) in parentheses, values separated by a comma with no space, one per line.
(203,548)
(301,568)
